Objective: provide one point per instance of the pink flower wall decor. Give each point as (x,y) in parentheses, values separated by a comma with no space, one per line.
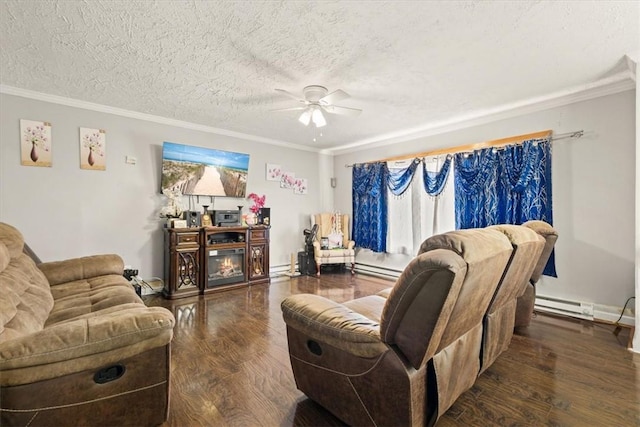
(287,180)
(274,172)
(93,149)
(35,143)
(300,186)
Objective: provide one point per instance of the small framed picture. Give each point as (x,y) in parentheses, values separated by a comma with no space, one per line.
(35,143)
(93,149)
(287,179)
(274,172)
(300,186)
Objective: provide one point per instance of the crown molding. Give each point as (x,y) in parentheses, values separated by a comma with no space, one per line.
(70,102)
(616,83)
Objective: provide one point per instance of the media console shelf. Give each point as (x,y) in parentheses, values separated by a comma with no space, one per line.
(209,259)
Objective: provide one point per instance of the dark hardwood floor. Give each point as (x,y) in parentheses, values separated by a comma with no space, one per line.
(230,366)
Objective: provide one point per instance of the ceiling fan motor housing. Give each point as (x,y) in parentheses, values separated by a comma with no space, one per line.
(313,93)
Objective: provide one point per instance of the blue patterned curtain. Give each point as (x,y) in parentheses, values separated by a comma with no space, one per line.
(510,185)
(370,206)
(476,195)
(434,181)
(400,179)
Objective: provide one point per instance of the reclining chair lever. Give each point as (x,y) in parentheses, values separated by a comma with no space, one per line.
(314,347)
(111,373)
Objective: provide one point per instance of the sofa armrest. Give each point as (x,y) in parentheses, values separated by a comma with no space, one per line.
(351,244)
(333,323)
(82,268)
(141,327)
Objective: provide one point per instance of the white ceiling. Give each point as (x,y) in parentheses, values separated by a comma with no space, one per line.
(407,64)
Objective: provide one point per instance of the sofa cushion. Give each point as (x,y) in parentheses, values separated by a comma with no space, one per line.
(26,297)
(74,269)
(370,306)
(91,297)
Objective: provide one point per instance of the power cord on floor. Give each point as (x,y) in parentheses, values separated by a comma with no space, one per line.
(143,283)
(618,328)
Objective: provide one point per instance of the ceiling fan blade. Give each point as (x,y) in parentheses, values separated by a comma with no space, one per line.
(345,111)
(333,97)
(290,109)
(290,95)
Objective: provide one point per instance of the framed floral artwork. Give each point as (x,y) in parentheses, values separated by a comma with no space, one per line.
(93,149)
(274,172)
(35,143)
(300,186)
(287,179)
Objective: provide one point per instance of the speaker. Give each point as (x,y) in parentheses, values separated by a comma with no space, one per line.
(306,264)
(264,216)
(193,218)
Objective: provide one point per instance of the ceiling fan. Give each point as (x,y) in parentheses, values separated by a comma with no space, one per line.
(316,100)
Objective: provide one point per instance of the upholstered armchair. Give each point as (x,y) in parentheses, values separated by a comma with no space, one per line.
(527,300)
(335,228)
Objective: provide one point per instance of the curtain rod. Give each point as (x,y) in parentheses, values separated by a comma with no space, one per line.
(471,147)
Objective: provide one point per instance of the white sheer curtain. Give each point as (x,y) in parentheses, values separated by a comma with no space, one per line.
(415,215)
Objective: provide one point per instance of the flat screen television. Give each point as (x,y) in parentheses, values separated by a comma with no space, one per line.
(199,171)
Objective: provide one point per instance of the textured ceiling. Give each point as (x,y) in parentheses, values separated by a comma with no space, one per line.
(406,64)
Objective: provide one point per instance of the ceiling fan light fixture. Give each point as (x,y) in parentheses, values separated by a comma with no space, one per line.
(318,118)
(305,117)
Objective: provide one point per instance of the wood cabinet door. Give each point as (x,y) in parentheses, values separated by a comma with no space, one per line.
(258,261)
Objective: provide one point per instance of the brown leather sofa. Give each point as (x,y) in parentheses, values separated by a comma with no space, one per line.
(498,322)
(527,299)
(404,356)
(77,345)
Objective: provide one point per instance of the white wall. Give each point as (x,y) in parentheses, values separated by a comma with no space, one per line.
(593,192)
(65,212)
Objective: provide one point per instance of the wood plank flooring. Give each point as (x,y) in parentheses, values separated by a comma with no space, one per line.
(230,366)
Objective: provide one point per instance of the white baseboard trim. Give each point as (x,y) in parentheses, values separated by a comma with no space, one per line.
(611,314)
(278,272)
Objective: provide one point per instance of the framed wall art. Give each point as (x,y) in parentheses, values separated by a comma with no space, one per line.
(287,179)
(300,186)
(274,172)
(93,145)
(35,143)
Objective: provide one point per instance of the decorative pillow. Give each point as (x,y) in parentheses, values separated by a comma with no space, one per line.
(335,240)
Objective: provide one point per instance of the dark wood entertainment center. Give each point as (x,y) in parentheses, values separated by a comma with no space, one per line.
(201,260)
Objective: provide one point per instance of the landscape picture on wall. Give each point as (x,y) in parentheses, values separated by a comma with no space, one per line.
(203,171)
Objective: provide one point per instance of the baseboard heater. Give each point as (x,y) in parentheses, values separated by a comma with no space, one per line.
(279,270)
(581,310)
(372,270)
